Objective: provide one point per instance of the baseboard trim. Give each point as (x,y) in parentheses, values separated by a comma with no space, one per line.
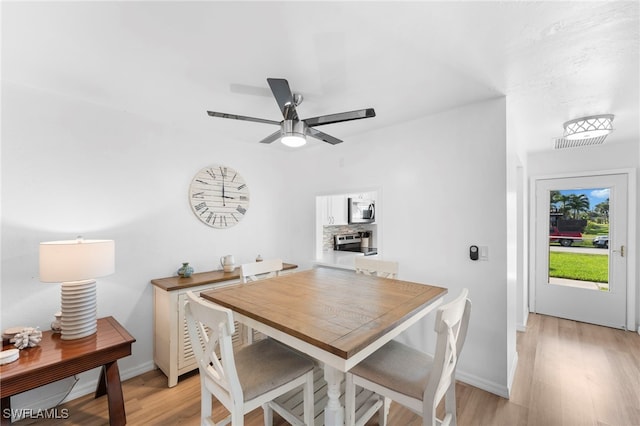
(479,382)
(512,374)
(522,326)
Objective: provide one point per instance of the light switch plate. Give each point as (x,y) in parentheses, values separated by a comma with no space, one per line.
(484,252)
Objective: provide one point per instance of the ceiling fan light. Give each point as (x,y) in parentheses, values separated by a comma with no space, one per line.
(588,127)
(293,140)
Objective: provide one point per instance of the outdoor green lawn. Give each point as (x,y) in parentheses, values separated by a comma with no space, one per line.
(578,266)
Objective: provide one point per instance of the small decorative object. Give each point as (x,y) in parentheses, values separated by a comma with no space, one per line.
(27,338)
(8,356)
(10,333)
(185,270)
(259,258)
(56,325)
(227,263)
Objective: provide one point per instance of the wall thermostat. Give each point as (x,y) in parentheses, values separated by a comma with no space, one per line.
(473,252)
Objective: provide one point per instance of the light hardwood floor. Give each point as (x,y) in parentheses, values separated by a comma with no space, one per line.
(569,373)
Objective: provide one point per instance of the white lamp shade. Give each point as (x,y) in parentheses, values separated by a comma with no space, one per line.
(75,260)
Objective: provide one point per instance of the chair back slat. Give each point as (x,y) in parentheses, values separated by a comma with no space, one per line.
(377,267)
(212,325)
(268,369)
(259,270)
(452,320)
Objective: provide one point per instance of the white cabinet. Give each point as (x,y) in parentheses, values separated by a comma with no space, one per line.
(326,211)
(335,210)
(172,351)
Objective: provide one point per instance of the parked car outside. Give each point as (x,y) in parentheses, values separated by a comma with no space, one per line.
(601,241)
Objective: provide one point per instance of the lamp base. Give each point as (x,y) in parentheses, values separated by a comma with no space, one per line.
(79,309)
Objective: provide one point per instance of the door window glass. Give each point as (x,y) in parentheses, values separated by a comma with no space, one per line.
(579,238)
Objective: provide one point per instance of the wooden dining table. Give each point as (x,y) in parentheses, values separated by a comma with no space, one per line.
(336,316)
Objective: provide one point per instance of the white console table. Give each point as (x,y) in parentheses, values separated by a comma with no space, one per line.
(172,351)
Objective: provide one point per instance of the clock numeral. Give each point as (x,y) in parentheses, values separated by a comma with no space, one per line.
(234,177)
(241,210)
(211,173)
(215,216)
(234,217)
(244,198)
(244,185)
(223,171)
(211,215)
(200,206)
(199,195)
(202,181)
(223,218)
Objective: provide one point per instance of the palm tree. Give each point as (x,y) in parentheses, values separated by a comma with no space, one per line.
(562,200)
(578,203)
(554,199)
(602,210)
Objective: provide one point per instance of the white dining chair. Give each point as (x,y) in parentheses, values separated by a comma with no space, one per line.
(251,377)
(380,268)
(412,378)
(256,271)
(260,270)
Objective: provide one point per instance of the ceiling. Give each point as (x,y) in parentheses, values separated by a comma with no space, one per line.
(172,61)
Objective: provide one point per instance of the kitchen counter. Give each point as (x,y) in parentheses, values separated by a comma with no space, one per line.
(339,259)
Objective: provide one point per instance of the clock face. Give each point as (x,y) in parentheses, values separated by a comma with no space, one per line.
(219,196)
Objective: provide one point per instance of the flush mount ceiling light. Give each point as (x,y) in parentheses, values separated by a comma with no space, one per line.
(588,127)
(592,130)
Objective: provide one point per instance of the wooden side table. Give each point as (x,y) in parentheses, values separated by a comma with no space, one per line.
(55,359)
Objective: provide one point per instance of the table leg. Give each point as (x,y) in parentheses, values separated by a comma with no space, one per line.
(110,384)
(333,412)
(5,415)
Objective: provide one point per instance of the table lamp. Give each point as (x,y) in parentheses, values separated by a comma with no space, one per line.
(75,263)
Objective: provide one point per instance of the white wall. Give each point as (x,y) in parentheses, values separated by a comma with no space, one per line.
(609,156)
(442,182)
(71,168)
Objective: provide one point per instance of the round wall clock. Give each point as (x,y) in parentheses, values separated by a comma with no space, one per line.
(219,196)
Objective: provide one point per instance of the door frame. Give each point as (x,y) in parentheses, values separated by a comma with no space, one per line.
(631,237)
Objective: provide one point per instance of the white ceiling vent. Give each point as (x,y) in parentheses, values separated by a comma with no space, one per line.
(560,143)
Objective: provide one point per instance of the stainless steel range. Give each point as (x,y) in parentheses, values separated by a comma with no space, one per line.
(353,242)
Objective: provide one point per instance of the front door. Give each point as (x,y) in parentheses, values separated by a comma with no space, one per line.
(581,249)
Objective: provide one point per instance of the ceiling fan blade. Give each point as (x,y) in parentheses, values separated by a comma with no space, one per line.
(272,137)
(322,136)
(284,97)
(241,117)
(341,116)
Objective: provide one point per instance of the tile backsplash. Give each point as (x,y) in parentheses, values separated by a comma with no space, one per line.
(330,230)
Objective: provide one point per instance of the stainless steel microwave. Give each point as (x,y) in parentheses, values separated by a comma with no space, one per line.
(361,211)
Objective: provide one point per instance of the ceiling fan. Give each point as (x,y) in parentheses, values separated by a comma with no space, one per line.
(293,131)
